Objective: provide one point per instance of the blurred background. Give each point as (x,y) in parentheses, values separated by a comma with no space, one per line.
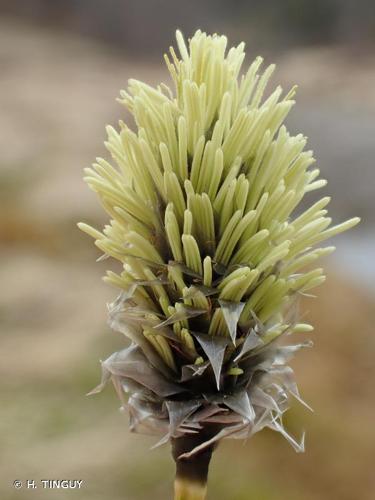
(62,63)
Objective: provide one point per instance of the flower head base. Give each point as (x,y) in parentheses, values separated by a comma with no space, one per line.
(201,206)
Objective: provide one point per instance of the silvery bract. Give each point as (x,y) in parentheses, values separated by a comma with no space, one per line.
(202,205)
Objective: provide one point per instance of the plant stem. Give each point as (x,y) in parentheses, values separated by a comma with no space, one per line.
(184,490)
(191,473)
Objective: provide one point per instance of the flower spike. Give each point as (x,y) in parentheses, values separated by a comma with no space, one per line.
(202,198)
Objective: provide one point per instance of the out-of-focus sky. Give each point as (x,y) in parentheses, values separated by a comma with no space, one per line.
(62,64)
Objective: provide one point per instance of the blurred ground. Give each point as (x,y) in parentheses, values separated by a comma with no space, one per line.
(57,92)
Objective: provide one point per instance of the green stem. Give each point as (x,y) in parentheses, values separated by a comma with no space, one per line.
(184,490)
(191,473)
